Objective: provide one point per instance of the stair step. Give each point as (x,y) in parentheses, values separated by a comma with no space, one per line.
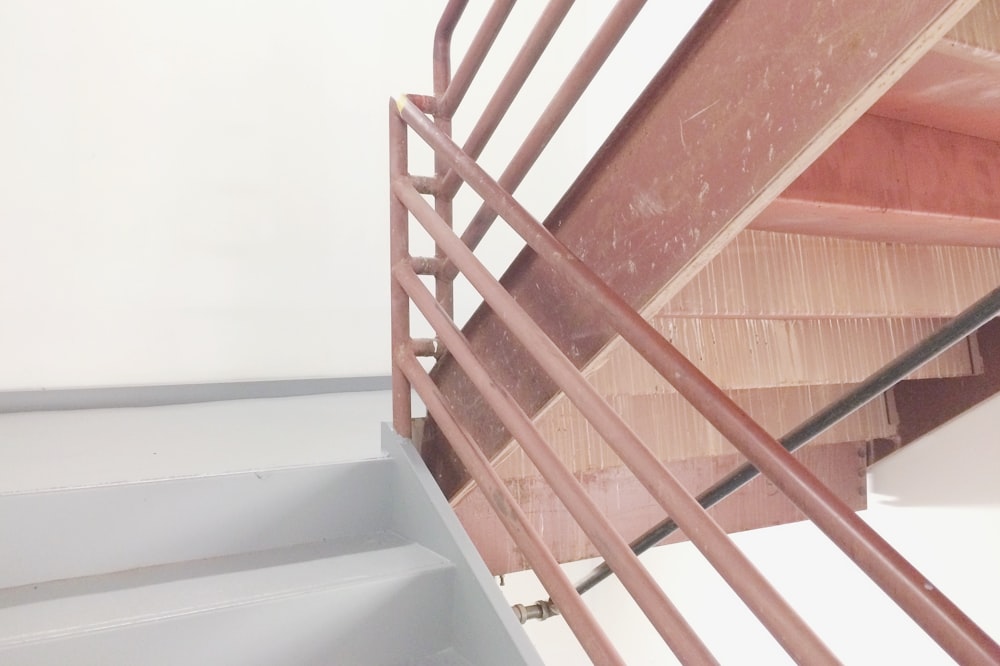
(674,430)
(773,275)
(131,526)
(370,599)
(954,86)
(753,353)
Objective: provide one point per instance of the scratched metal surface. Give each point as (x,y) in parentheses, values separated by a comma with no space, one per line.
(748,102)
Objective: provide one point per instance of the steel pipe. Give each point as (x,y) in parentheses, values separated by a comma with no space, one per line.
(569,93)
(593,639)
(880,381)
(929,607)
(510,85)
(785,625)
(487,33)
(636,579)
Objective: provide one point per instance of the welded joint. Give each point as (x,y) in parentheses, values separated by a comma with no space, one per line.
(427,347)
(540,610)
(426,103)
(426,184)
(427,265)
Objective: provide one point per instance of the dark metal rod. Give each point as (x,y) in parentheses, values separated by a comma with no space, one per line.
(580,619)
(880,381)
(649,596)
(781,620)
(945,622)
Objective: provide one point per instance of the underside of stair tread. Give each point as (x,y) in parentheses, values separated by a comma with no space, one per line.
(954,86)
(754,353)
(60,609)
(631,509)
(762,275)
(674,430)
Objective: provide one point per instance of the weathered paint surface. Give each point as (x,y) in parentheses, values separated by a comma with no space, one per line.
(675,431)
(765,275)
(923,405)
(956,86)
(755,94)
(889,180)
(630,507)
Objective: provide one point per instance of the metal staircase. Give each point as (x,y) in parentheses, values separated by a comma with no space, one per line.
(794,201)
(354,562)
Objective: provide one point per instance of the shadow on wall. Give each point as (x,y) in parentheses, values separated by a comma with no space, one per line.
(952,466)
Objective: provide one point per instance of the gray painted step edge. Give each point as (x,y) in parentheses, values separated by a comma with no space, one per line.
(102,529)
(181,394)
(485,630)
(381,606)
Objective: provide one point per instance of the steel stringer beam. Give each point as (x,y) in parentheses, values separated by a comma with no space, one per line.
(889,180)
(756,91)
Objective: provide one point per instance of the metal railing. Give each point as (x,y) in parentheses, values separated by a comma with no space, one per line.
(454,255)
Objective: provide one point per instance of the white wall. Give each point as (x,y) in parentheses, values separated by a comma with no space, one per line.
(195,190)
(936,501)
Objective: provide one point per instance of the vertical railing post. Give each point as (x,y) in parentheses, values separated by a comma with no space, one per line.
(444,286)
(399,250)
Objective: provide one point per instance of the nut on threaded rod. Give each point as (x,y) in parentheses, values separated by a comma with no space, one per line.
(540,610)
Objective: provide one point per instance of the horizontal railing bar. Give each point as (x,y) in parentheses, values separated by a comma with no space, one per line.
(737,570)
(569,93)
(425,184)
(426,265)
(664,616)
(424,346)
(586,628)
(473,59)
(880,381)
(927,605)
(510,85)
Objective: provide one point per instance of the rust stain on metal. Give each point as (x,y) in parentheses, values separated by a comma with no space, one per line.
(956,86)
(743,76)
(632,510)
(896,181)
(789,276)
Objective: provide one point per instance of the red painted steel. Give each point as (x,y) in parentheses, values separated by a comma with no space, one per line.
(632,511)
(923,405)
(942,620)
(954,87)
(398,251)
(509,87)
(578,616)
(566,97)
(741,575)
(664,616)
(888,180)
(754,94)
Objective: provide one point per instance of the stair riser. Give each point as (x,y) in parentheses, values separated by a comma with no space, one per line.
(90,531)
(382,622)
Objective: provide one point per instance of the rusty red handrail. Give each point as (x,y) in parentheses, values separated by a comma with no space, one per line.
(453,254)
(744,578)
(577,615)
(930,608)
(511,84)
(566,97)
(667,620)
